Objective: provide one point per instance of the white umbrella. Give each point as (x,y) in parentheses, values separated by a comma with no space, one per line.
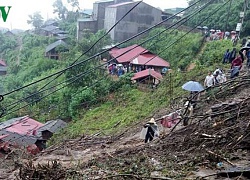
(192,86)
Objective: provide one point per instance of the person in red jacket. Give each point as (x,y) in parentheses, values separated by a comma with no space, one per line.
(236,65)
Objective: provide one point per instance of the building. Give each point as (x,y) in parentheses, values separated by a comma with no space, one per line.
(138,58)
(107,13)
(26,132)
(147,76)
(3,67)
(53,50)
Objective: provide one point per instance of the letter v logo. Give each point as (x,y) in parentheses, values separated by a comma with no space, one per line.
(4,13)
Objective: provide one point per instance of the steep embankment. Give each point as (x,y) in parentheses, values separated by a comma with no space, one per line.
(218,133)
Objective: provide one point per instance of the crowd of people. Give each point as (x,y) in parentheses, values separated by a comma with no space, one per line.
(236,61)
(215,78)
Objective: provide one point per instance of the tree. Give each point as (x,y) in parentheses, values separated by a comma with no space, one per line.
(74,3)
(60,9)
(218,19)
(35,20)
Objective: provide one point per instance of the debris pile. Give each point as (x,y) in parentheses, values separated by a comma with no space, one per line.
(51,170)
(217,139)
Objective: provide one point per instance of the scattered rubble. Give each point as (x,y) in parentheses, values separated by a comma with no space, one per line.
(214,146)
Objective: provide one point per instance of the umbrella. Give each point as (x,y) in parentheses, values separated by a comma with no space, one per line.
(205,27)
(192,86)
(199,27)
(245,48)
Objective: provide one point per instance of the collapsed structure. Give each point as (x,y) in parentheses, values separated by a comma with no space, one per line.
(25,132)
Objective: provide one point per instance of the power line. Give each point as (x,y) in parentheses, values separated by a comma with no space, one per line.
(228,14)
(96,41)
(195,27)
(84,73)
(79,63)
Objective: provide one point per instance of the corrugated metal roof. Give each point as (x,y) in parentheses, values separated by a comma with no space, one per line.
(58,31)
(121,4)
(87,20)
(52,126)
(86,11)
(17,139)
(50,28)
(133,52)
(25,131)
(49,22)
(55,44)
(22,125)
(103,1)
(150,59)
(147,72)
(8,123)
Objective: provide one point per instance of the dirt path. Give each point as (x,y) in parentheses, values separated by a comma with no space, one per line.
(192,65)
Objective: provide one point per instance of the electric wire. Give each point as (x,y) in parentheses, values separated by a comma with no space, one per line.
(198,24)
(84,73)
(96,41)
(98,54)
(208,17)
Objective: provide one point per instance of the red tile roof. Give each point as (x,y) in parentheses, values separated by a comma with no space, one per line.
(2,62)
(150,59)
(129,53)
(25,126)
(147,72)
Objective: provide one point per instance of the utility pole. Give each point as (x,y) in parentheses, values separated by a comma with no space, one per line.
(242,16)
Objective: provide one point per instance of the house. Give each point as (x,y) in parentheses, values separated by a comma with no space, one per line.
(148,77)
(3,30)
(27,132)
(48,30)
(125,55)
(138,58)
(107,13)
(50,22)
(85,25)
(53,50)
(9,33)
(139,19)
(3,67)
(175,11)
(149,60)
(86,13)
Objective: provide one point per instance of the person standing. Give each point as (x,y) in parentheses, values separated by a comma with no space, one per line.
(248,58)
(236,66)
(208,82)
(152,130)
(216,78)
(232,55)
(226,56)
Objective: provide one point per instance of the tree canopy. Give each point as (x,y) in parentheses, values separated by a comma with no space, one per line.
(36,20)
(219,19)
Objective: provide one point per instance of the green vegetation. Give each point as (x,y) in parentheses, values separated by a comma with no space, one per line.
(84,95)
(218,20)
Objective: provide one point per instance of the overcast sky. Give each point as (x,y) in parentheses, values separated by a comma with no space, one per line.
(20,10)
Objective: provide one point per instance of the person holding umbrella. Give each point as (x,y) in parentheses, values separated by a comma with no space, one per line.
(195,88)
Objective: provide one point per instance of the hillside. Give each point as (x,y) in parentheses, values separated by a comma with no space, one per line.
(219,133)
(105,120)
